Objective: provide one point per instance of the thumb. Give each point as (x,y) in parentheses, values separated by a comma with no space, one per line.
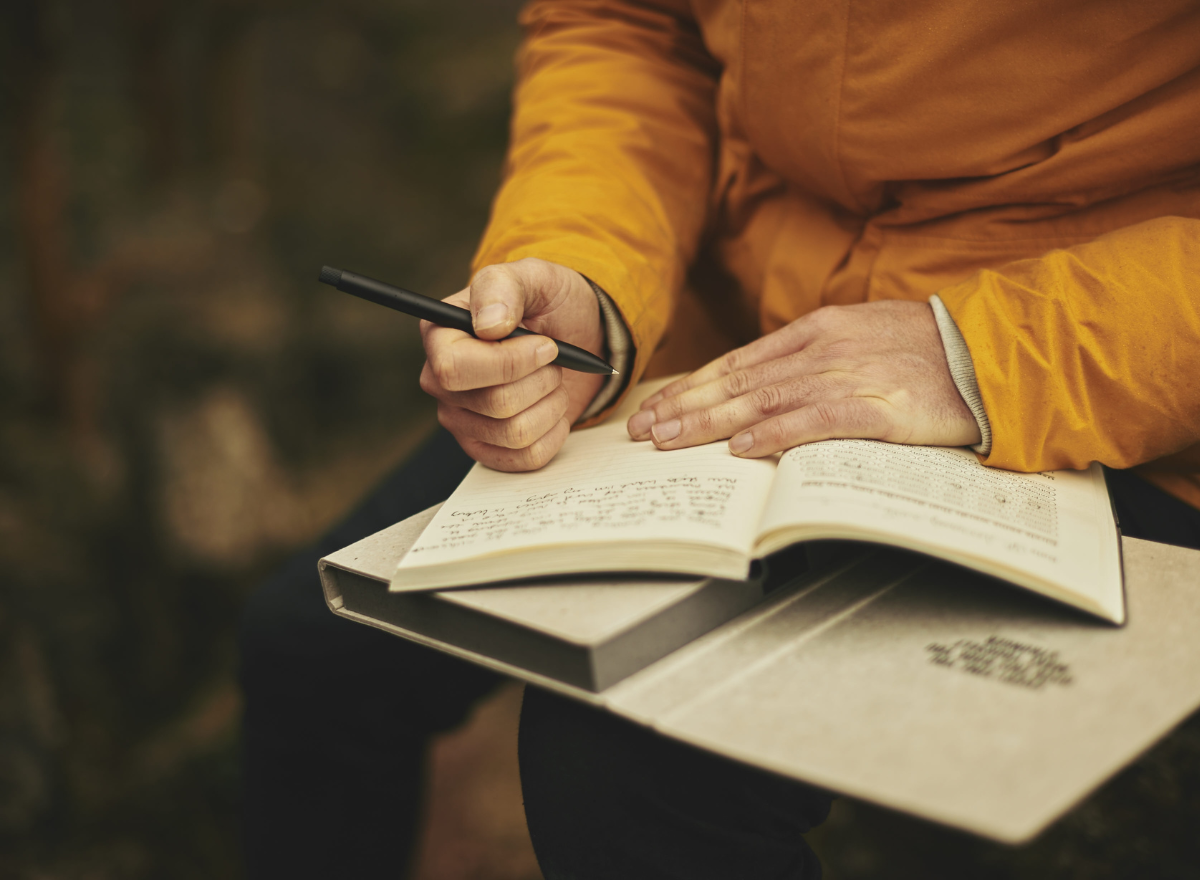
(498,301)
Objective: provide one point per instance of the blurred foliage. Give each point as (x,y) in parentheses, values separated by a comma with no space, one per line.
(181,403)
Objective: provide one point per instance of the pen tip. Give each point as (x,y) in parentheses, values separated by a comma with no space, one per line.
(614,373)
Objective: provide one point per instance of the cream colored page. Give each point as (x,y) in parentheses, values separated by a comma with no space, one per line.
(1055,526)
(602,487)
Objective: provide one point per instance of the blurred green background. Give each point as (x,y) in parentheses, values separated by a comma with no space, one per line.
(181,405)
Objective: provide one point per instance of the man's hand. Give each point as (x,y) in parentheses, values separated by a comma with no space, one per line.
(875,371)
(503,402)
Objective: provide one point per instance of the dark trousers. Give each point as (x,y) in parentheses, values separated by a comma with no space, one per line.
(338,716)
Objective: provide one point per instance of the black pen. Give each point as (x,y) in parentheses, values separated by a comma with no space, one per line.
(445,315)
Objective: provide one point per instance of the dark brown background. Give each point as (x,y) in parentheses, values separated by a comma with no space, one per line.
(181,404)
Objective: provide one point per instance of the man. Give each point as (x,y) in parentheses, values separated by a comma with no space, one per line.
(931,222)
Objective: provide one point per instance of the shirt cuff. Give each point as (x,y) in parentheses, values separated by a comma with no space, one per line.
(962,371)
(620,351)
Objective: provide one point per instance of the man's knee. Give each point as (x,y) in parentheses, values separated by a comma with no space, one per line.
(606,798)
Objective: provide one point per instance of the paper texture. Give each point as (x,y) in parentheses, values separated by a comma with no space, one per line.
(604,490)
(1051,532)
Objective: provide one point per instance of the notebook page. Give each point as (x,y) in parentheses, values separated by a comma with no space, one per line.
(602,487)
(1057,527)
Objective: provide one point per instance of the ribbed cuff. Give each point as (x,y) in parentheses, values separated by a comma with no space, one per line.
(619,343)
(962,371)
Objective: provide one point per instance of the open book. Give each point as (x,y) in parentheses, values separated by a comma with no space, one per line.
(609,504)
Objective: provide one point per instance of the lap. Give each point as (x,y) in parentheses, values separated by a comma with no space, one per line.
(1145,511)
(607,798)
(604,797)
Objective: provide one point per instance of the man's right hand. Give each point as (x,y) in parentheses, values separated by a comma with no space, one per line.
(503,401)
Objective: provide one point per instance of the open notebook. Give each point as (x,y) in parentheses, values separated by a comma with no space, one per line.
(609,504)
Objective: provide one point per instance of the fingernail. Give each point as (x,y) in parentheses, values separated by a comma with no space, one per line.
(666,430)
(546,352)
(640,423)
(490,316)
(650,401)
(741,443)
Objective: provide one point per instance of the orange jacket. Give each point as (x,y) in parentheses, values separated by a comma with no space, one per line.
(1035,163)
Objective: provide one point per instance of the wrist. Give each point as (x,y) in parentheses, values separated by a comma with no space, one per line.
(618,350)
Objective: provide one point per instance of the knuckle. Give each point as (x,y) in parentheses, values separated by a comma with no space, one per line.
(476,450)
(501,402)
(823,318)
(825,417)
(550,379)
(561,399)
(704,421)
(505,461)
(768,400)
(511,367)
(772,434)
(488,274)
(540,453)
(736,384)
(539,457)
(427,382)
(733,361)
(528,265)
(840,352)
(446,370)
(875,420)
(526,459)
(497,283)
(519,433)
(537,272)
(549,446)
(667,409)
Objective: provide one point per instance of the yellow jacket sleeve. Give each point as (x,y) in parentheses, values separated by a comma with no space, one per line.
(1091,353)
(611,154)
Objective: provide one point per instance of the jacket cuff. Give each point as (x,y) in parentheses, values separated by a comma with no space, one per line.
(962,371)
(620,350)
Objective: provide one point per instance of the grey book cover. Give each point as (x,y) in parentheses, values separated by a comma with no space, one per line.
(904,681)
(586,633)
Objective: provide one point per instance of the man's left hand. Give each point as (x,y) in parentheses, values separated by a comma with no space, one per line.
(875,371)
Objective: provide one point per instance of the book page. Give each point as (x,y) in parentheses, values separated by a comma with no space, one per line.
(1036,529)
(602,488)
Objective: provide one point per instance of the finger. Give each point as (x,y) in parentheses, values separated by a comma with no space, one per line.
(728,387)
(459,362)
(788,340)
(435,337)
(865,418)
(498,401)
(461,299)
(731,416)
(519,432)
(504,293)
(530,458)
